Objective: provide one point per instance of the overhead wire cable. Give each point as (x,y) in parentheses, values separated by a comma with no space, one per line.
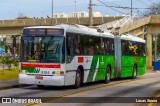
(111,7)
(143,3)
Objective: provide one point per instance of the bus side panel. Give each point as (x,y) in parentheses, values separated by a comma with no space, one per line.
(128,63)
(93,68)
(141,63)
(97,69)
(127,66)
(85,62)
(87,65)
(104,61)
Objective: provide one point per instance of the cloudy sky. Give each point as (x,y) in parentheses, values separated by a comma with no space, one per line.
(10,9)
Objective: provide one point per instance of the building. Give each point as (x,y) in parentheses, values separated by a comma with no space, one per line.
(97,14)
(80,14)
(59,15)
(76,14)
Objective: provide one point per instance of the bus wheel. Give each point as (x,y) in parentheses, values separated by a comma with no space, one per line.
(40,86)
(108,75)
(78,79)
(134,72)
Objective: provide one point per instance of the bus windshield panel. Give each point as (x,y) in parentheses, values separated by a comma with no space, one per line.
(49,49)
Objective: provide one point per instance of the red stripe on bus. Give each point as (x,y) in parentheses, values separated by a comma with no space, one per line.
(39,65)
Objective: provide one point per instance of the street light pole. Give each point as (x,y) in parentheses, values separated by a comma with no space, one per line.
(52,13)
(75,1)
(90,13)
(131,9)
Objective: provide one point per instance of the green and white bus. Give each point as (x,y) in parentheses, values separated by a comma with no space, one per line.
(65,55)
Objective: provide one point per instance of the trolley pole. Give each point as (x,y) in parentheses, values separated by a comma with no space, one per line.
(90,13)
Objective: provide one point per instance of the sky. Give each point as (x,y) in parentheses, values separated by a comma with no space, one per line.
(10,9)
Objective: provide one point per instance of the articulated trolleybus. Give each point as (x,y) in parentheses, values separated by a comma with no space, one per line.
(65,55)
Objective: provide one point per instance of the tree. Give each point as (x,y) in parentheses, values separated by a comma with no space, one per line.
(154,9)
(21,16)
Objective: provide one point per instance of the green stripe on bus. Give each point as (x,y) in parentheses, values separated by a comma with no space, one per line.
(93,68)
(29,70)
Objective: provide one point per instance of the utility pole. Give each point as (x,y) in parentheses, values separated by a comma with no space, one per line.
(131,9)
(52,13)
(75,1)
(90,13)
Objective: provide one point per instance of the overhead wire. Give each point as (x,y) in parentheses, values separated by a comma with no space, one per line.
(111,7)
(152,2)
(143,3)
(126,8)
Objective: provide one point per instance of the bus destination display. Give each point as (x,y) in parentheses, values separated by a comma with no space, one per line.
(38,32)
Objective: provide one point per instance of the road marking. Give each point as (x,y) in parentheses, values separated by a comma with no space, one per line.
(89,89)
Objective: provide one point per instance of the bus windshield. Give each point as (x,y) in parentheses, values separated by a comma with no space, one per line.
(42,49)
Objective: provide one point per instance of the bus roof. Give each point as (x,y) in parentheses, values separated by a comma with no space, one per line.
(84,30)
(132,38)
(79,29)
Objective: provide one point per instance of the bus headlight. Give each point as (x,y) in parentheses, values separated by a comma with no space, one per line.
(58,72)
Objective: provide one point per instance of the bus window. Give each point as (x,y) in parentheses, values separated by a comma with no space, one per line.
(76,44)
(70,44)
(125,47)
(82,45)
(141,49)
(86,45)
(90,44)
(109,46)
(99,46)
(69,47)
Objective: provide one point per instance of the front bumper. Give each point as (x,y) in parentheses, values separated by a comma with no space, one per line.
(47,80)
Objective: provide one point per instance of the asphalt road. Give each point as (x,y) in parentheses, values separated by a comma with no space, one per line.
(93,94)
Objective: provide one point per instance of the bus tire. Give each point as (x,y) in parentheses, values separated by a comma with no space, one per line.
(134,75)
(40,86)
(108,74)
(78,79)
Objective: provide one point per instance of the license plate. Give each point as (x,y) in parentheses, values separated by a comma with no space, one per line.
(39,77)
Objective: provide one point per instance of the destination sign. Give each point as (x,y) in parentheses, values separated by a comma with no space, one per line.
(40,31)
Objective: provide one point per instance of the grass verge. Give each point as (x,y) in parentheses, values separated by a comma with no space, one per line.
(6,74)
